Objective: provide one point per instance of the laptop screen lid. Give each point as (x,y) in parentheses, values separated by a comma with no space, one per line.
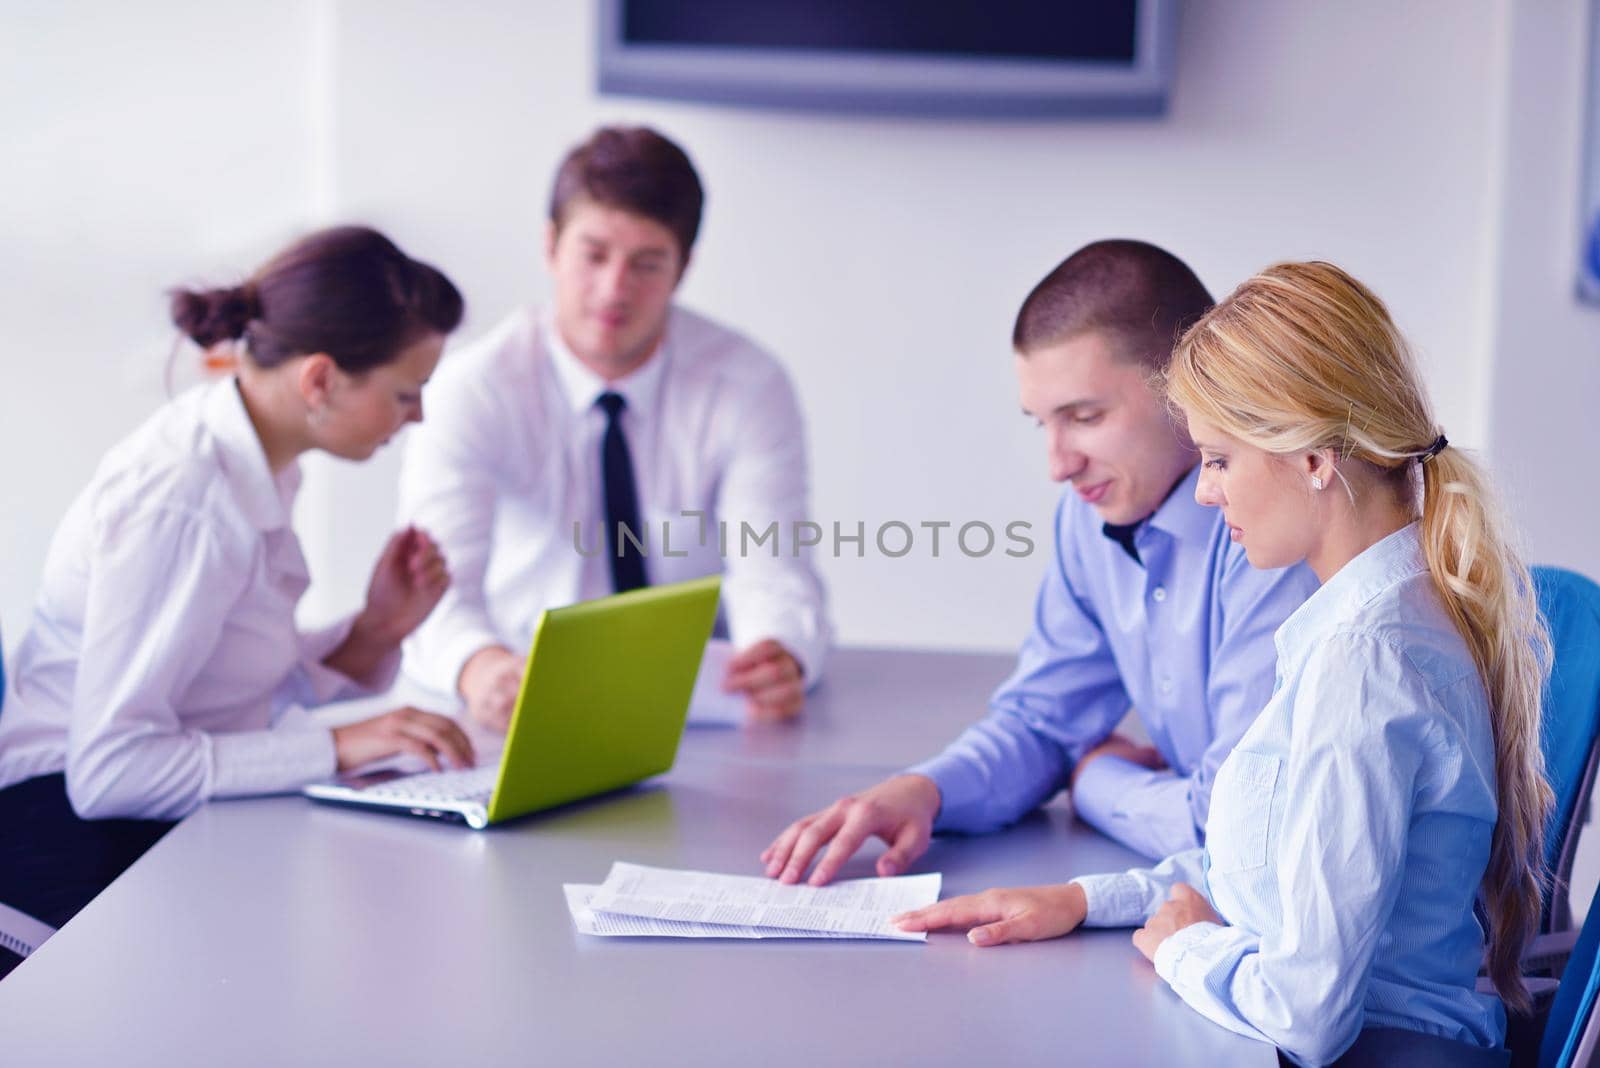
(605,695)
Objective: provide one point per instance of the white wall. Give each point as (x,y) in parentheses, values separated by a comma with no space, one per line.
(1432,150)
(144,146)
(883,259)
(1543,432)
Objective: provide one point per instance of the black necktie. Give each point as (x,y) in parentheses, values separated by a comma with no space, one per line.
(622,500)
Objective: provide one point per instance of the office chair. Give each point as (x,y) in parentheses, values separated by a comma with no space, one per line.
(1572,1032)
(1570,605)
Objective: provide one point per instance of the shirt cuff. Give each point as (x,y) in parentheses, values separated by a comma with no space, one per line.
(1170,954)
(962,791)
(325,683)
(322,682)
(328,684)
(251,763)
(442,671)
(1115,900)
(810,656)
(384,675)
(809,651)
(320,641)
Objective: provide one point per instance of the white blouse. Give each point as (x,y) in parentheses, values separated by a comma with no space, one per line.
(162,666)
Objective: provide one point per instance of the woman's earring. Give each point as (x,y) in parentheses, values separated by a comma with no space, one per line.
(1316,482)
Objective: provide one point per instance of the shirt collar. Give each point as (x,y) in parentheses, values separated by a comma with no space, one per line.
(1377,568)
(267,500)
(1180,515)
(582,387)
(1123,534)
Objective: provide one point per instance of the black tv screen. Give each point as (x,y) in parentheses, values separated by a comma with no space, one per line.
(1017,28)
(999,57)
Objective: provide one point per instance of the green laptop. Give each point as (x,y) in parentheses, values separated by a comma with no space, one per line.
(603,703)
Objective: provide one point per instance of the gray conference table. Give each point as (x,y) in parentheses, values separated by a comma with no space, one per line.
(277,931)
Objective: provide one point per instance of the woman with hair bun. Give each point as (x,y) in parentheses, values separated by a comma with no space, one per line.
(1396,775)
(163,666)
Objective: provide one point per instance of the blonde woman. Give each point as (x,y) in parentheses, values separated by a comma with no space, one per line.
(1396,772)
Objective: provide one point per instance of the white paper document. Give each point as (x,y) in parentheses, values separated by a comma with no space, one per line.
(615,925)
(637,900)
(709,706)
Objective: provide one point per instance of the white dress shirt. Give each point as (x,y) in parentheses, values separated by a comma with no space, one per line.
(162,666)
(506,467)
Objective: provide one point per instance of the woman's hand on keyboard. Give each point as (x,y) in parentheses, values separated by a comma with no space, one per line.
(436,739)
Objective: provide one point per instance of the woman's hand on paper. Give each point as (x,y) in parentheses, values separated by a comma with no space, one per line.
(995,917)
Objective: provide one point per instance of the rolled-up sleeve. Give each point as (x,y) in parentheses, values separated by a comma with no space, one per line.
(1129,898)
(315,683)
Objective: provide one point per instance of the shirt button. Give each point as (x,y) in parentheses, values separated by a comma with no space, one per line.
(1166,686)
(1160,593)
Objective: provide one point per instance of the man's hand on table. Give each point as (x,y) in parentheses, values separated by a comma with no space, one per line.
(489,684)
(900,811)
(770,679)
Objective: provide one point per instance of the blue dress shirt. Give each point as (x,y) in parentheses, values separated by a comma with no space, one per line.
(1183,634)
(1349,831)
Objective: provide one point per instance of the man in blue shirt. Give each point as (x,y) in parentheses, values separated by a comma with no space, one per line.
(1146,604)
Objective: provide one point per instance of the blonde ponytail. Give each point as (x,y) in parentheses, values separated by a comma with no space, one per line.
(1489,594)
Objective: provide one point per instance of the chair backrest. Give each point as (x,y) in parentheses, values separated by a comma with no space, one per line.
(1573,1024)
(1571,607)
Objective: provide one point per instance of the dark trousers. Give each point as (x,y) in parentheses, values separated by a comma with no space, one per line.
(52,863)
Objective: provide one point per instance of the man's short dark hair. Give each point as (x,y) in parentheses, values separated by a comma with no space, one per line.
(1141,296)
(637,170)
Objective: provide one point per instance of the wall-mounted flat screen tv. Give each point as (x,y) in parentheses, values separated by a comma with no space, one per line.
(909,57)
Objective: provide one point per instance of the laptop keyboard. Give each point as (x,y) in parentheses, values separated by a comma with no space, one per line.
(433,787)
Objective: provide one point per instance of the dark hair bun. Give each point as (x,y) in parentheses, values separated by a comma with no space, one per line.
(346,292)
(212,315)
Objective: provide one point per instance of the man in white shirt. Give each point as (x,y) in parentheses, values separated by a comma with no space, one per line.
(614,440)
